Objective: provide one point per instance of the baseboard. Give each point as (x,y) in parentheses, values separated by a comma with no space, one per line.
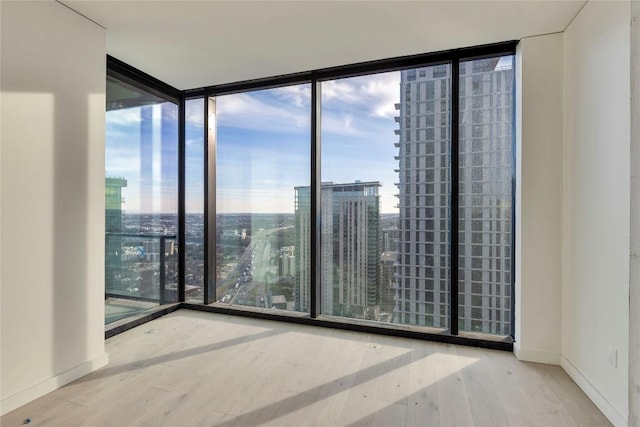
(15,401)
(538,356)
(609,411)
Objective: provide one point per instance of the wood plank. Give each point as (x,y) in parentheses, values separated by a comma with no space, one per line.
(423,406)
(453,400)
(576,403)
(486,408)
(511,389)
(194,368)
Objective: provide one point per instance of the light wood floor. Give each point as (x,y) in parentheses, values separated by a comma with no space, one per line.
(191,368)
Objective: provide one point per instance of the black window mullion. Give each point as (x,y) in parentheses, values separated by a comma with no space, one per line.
(181,200)
(315,291)
(207,194)
(455,192)
(513,201)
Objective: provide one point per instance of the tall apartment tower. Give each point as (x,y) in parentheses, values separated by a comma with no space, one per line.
(350,249)
(485,202)
(113,224)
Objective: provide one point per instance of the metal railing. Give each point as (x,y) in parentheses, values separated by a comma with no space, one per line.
(130,261)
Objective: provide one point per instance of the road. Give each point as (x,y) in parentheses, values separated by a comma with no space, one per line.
(252,272)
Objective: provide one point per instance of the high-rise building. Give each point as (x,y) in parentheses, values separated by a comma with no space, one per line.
(350,249)
(485,201)
(113,224)
(113,203)
(287,265)
(388,286)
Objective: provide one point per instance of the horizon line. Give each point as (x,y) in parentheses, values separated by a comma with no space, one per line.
(225,213)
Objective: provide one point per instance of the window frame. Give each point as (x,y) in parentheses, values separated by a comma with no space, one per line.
(208,94)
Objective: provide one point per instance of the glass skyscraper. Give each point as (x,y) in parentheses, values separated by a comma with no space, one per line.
(485,196)
(350,249)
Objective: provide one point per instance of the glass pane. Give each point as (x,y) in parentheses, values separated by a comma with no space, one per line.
(263,155)
(141,200)
(194,200)
(385,207)
(486,169)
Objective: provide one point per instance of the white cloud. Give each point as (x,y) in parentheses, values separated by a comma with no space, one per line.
(344,90)
(374,94)
(384,90)
(300,95)
(350,104)
(347,103)
(194,112)
(169,111)
(251,111)
(124,117)
(340,124)
(197,142)
(133,116)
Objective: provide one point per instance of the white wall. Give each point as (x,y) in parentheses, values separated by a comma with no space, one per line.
(539,199)
(52,190)
(595,313)
(634,280)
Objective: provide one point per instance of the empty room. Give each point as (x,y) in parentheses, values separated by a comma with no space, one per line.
(288,213)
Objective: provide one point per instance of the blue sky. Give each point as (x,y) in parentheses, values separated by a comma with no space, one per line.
(263,146)
(358,132)
(140,146)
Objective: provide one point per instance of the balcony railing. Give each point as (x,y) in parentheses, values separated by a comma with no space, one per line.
(141,267)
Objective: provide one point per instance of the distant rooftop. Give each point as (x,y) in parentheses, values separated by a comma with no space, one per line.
(357,183)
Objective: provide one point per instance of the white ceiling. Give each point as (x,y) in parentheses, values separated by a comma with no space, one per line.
(191,44)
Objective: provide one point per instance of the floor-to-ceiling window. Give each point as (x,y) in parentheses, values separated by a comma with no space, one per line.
(386,196)
(377,194)
(262,161)
(194,270)
(486,194)
(385,203)
(141,187)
